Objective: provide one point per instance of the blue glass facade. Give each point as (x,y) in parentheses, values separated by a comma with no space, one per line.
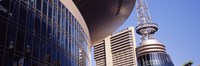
(40,33)
(154,59)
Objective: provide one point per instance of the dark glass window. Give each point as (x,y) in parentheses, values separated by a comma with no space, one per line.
(58,57)
(27,62)
(38,5)
(3,27)
(44,28)
(29,41)
(62,41)
(31,18)
(58,38)
(37,24)
(48,54)
(42,50)
(11,35)
(59,4)
(4,11)
(67,25)
(20,40)
(8,59)
(72,49)
(15,12)
(63,22)
(66,44)
(56,2)
(49,36)
(44,10)
(22,16)
(54,34)
(55,15)
(32,3)
(54,58)
(1,56)
(59,18)
(34,63)
(50,11)
(67,13)
(62,60)
(36,47)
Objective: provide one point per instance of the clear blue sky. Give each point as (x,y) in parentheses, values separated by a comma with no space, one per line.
(179,28)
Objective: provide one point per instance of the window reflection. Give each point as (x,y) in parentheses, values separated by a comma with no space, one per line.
(44,32)
(154,59)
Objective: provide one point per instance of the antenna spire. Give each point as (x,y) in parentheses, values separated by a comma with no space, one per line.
(145,26)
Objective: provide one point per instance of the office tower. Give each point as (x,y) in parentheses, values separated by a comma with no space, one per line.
(53,32)
(117,49)
(150,52)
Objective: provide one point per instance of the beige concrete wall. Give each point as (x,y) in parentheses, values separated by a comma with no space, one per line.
(108,52)
(134,43)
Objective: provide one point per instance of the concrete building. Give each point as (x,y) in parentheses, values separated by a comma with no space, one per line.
(56,32)
(117,49)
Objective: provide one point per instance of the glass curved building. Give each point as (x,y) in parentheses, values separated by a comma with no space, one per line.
(55,32)
(152,53)
(42,32)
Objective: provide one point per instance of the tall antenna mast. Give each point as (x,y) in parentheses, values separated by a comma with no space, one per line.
(145,26)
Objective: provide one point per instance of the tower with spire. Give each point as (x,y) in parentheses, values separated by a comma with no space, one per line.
(150,52)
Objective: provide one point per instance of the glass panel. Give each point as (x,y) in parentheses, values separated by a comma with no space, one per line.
(27,62)
(32,3)
(3,26)
(22,16)
(62,60)
(58,58)
(55,15)
(61,41)
(1,56)
(37,24)
(42,50)
(59,18)
(20,40)
(36,47)
(38,5)
(67,23)
(44,28)
(50,11)
(8,59)
(48,54)
(44,10)
(30,21)
(54,58)
(50,29)
(58,39)
(14,11)
(4,8)
(54,34)
(29,42)
(34,63)
(66,45)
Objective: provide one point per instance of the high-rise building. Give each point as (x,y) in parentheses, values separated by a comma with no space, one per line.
(150,52)
(56,32)
(117,49)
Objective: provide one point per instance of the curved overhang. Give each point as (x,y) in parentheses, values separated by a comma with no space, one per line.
(103,17)
(69,4)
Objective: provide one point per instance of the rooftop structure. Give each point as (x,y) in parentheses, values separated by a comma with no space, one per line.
(150,52)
